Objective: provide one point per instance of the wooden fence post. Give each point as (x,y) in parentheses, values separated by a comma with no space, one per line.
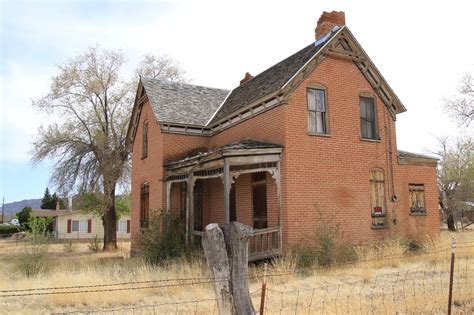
(451,273)
(236,237)
(226,252)
(218,263)
(264,288)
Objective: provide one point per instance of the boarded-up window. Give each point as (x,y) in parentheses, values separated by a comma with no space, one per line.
(198,206)
(377,197)
(317,120)
(417,198)
(145,140)
(89,226)
(144,206)
(232,208)
(367,118)
(259,200)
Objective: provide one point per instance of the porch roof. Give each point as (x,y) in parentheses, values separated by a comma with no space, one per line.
(243,147)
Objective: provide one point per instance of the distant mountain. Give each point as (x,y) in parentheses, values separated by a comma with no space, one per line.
(14,207)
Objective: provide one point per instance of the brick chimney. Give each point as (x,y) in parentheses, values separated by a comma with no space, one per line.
(247,77)
(327,21)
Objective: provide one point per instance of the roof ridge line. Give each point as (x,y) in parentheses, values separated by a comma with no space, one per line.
(183,83)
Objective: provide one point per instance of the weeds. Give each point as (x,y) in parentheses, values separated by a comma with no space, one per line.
(69,246)
(94,244)
(163,240)
(35,257)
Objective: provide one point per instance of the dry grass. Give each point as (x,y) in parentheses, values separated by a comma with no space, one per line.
(416,283)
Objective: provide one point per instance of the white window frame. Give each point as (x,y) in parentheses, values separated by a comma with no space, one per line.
(123,224)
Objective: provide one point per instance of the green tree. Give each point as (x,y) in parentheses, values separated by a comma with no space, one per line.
(24,215)
(50,201)
(46,201)
(89,145)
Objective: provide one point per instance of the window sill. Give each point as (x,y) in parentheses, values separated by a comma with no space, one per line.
(144,157)
(420,214)
(317,134)
(370,140)
(379,227)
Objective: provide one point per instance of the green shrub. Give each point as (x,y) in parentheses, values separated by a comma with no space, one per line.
(69,246)
(9,230)
(94,244)
(38,228)
(34,259)
(163,240)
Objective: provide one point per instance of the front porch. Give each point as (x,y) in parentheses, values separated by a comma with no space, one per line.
(237,182)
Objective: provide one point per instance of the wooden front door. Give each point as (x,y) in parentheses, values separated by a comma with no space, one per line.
(259,200)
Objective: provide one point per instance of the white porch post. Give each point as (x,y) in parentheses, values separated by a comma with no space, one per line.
(227,187)
(277,177)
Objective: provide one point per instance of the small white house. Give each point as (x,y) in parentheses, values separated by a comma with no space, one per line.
(80,225)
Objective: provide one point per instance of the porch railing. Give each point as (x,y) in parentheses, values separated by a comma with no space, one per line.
(264,243)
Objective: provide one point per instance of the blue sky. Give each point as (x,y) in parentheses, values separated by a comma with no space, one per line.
(422,48)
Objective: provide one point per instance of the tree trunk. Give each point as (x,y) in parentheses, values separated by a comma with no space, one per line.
(450,222)
(109,221)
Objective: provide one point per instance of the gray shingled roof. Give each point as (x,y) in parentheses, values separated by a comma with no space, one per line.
(182,103)
(195,105)
(243,144)
(269,80)
(405,154)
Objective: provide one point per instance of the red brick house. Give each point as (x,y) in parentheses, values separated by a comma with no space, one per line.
(313,135)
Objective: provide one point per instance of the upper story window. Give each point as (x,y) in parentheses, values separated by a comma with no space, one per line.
(317,111)
(144,206)
(368,123)
(377,197)
(417,198)
(145,140)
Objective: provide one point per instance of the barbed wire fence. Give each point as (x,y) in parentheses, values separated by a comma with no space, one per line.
(420,289)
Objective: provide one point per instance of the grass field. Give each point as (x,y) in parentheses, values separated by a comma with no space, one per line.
(412,283)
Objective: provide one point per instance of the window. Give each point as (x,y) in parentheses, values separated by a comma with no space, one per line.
(417,198)
(367,118)
(259,200)
(144,206)
(75,226)
(377,198)
(79,225)
(145,140)
(122,226)
(317,118)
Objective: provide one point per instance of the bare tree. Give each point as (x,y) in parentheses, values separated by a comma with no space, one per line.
(161,67)
(94,105)
(461,107)
(456,173)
